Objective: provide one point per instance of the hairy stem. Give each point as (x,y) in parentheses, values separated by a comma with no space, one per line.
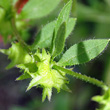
(82,77)
(18,36)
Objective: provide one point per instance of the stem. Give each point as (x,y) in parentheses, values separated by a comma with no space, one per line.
(18,36)
(83,77)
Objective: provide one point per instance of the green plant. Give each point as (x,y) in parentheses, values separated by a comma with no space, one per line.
(38,61)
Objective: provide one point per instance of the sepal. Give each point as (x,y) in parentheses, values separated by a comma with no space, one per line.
(46,92)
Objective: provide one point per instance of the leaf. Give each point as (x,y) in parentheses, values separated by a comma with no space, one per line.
(60,40)
(63,17)
(38,8)
(17,54)
(83,52)
(44,37)
(70,26)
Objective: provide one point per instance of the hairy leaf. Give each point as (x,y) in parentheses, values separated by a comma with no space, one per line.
(63,17)
(83,52)
(44,37)
(70,25)
(60,40)
(38,8)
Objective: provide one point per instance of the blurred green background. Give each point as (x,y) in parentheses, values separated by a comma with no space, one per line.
(93,22)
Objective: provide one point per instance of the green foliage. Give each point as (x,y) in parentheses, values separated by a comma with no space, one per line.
(63,17)
(44,37)
(38,8)
(83,52)
(39,64)
(60,40)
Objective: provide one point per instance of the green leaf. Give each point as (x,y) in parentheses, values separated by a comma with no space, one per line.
(63,17)
(60,40)
(17,54)
(44,37)
(70,25)
(38,8)
(83,52)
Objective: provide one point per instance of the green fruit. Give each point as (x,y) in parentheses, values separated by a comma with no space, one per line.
(43,75)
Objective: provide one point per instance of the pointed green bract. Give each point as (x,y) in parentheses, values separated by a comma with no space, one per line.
(17,54)
(29,68)
(34,82)
(42,74)
(47,92)
(83,52)
(38,8)
(23,76)
(63,17)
